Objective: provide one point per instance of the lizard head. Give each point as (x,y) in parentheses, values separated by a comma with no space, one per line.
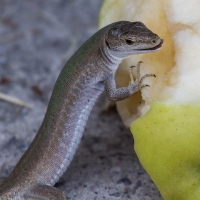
(126,38)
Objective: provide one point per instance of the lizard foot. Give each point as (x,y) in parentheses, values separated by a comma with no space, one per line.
(138,82)
(45,192)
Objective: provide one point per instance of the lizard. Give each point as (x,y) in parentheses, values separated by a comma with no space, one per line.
(89,72)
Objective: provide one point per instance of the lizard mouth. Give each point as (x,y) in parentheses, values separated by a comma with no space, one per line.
(153,48)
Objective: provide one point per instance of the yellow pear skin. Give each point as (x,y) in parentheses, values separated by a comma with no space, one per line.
(167,142)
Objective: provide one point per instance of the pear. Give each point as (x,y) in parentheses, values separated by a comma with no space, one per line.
(167,144)
(165,118)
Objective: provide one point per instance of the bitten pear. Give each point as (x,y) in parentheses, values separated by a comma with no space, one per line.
(165,117)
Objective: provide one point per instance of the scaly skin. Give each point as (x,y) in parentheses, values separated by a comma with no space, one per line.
(91,69)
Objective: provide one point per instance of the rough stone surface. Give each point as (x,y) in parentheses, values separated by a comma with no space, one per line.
(37,37)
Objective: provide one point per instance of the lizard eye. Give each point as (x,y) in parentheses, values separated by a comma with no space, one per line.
(153,41)
(129,42)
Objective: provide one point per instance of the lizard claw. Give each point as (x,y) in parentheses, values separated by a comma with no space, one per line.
(138,81)
(145,85)
(138,71)
(146,75)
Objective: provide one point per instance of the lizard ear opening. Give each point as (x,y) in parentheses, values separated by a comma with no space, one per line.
(107,44)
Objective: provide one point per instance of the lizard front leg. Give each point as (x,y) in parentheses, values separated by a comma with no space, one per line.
(115,94)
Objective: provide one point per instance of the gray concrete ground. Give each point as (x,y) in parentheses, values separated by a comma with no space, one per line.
(37,37)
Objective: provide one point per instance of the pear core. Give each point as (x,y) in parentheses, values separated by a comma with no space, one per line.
(165,118)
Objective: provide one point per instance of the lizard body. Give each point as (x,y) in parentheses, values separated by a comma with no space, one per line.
(91,69)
